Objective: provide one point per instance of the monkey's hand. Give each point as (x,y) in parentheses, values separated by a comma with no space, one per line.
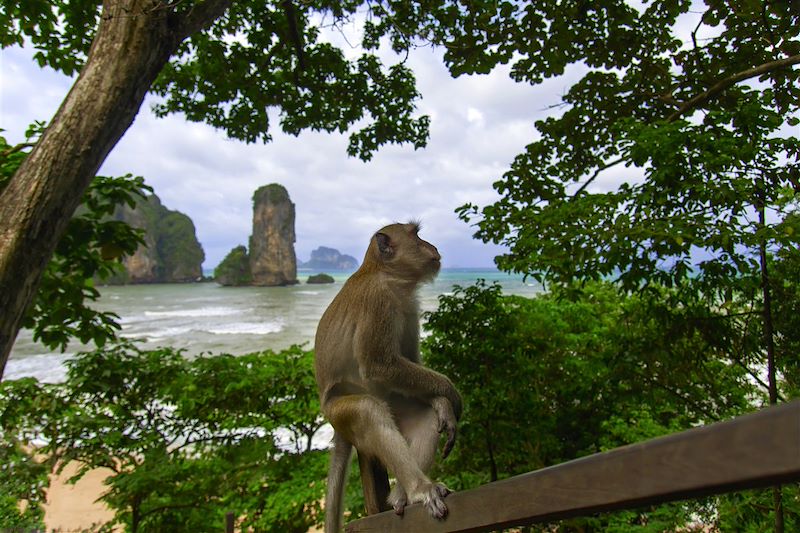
(447,422)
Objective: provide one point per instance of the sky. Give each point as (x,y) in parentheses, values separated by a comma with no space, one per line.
(478,124)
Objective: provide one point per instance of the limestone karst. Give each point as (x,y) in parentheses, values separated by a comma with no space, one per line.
(324,258)
(171,253)
(270,259)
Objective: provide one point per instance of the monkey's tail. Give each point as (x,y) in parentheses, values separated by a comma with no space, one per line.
(337,477)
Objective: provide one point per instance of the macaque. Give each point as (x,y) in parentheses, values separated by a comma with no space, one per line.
(373,389)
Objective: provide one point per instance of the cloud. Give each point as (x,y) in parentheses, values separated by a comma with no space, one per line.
(479,123)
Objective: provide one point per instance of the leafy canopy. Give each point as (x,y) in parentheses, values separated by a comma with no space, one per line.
(257,60)
(700,105)
(699,100)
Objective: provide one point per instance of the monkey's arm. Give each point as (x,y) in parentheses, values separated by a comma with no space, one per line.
(385,370)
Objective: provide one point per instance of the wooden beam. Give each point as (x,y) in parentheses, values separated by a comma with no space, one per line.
(751,451)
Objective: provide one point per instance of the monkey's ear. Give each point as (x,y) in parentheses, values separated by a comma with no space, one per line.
(384,245)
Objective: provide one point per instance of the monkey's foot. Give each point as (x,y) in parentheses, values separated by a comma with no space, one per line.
(398,499)
(433,500)
(432,497)
(399,505)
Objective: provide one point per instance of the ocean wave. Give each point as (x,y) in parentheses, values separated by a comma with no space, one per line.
(48,368)
(159,334)
(193,313)
(247,328)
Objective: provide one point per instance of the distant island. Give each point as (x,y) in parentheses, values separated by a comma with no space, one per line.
(324,258)
(171,252)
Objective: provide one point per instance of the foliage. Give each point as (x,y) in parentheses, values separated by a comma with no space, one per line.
(91,248)
(185,441)
(259,56)
(785,287)
(599,369)
(703,119)
(61,31)
(23,478)
(700,103)
(234,269)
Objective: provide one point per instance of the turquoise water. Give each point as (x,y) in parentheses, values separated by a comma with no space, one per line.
(205,317)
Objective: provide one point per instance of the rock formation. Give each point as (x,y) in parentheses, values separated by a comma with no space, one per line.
(234,270)
(171,252)
(272,258)
(320,278)
(329,259)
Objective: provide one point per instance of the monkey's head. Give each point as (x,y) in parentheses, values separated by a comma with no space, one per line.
(398,250)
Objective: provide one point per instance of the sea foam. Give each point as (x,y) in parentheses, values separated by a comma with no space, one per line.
(194,313)
(248,328)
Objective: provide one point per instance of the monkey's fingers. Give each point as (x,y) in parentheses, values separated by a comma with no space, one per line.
(451,440)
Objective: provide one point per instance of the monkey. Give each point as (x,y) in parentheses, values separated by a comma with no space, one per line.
(373,389)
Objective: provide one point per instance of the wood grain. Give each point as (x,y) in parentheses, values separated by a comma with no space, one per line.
(751,451)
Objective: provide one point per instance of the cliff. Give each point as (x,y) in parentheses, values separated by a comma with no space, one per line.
(171,252)
(329,259)
(272,258)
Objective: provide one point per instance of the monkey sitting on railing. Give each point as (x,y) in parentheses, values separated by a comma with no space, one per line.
(373,389)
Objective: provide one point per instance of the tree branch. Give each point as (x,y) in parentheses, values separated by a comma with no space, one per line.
(728,82)
(702,98)
(17,148)
(596,173)
(168,507)
(201,15)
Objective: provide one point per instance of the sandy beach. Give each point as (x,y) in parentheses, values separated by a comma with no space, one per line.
(73,507)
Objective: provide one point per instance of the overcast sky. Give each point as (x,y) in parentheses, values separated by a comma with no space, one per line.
(478,125)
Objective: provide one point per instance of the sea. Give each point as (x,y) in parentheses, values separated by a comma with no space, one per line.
(206,318)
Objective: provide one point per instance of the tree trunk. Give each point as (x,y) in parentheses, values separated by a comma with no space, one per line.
(493,476)
(134,40)
(769,341)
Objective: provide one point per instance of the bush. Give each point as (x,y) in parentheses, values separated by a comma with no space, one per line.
(187,441)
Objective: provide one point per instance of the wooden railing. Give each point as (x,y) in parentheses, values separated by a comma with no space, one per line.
(751,451)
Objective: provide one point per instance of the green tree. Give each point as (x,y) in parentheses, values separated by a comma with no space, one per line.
(178,246)
(234,269)
(91,248)
(23,479)
(186,441)
(706,120)
(582,370)
(702,104)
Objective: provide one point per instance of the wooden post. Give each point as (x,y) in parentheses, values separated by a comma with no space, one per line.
(375,482)
(229,519)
